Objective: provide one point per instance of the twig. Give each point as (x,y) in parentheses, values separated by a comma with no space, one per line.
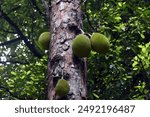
(9,42)
(14,62)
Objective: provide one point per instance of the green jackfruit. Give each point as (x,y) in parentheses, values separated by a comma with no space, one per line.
(44,40)
(81,46)
(62,88)
(100,43)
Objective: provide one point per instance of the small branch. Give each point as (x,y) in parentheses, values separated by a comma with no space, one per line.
(8,31)
(9,42)
(14,62)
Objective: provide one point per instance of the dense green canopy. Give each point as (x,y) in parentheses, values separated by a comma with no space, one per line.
(123,73)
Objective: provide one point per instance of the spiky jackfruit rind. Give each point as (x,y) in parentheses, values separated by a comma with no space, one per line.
(81,46)
(100,43)
(44,40)
(62,88)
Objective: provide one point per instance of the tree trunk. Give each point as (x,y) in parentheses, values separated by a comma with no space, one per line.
(66,23)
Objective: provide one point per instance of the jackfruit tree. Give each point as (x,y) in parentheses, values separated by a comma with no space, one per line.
(120,73)
(65,25)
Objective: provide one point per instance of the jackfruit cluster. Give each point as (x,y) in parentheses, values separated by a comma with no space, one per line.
(82,45)
(62,88)
(44,40)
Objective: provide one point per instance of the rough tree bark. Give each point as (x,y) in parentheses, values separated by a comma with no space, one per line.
(65,23)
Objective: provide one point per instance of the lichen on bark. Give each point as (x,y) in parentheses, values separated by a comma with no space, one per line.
(65,23)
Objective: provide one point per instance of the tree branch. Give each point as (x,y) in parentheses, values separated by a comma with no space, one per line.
(9,42)
(8,31)
(24,38)
(14,62)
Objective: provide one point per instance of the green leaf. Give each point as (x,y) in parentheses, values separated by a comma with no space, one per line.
(13,73)
(95,95)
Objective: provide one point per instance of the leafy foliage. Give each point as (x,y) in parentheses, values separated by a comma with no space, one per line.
(124,73)
(22,74)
